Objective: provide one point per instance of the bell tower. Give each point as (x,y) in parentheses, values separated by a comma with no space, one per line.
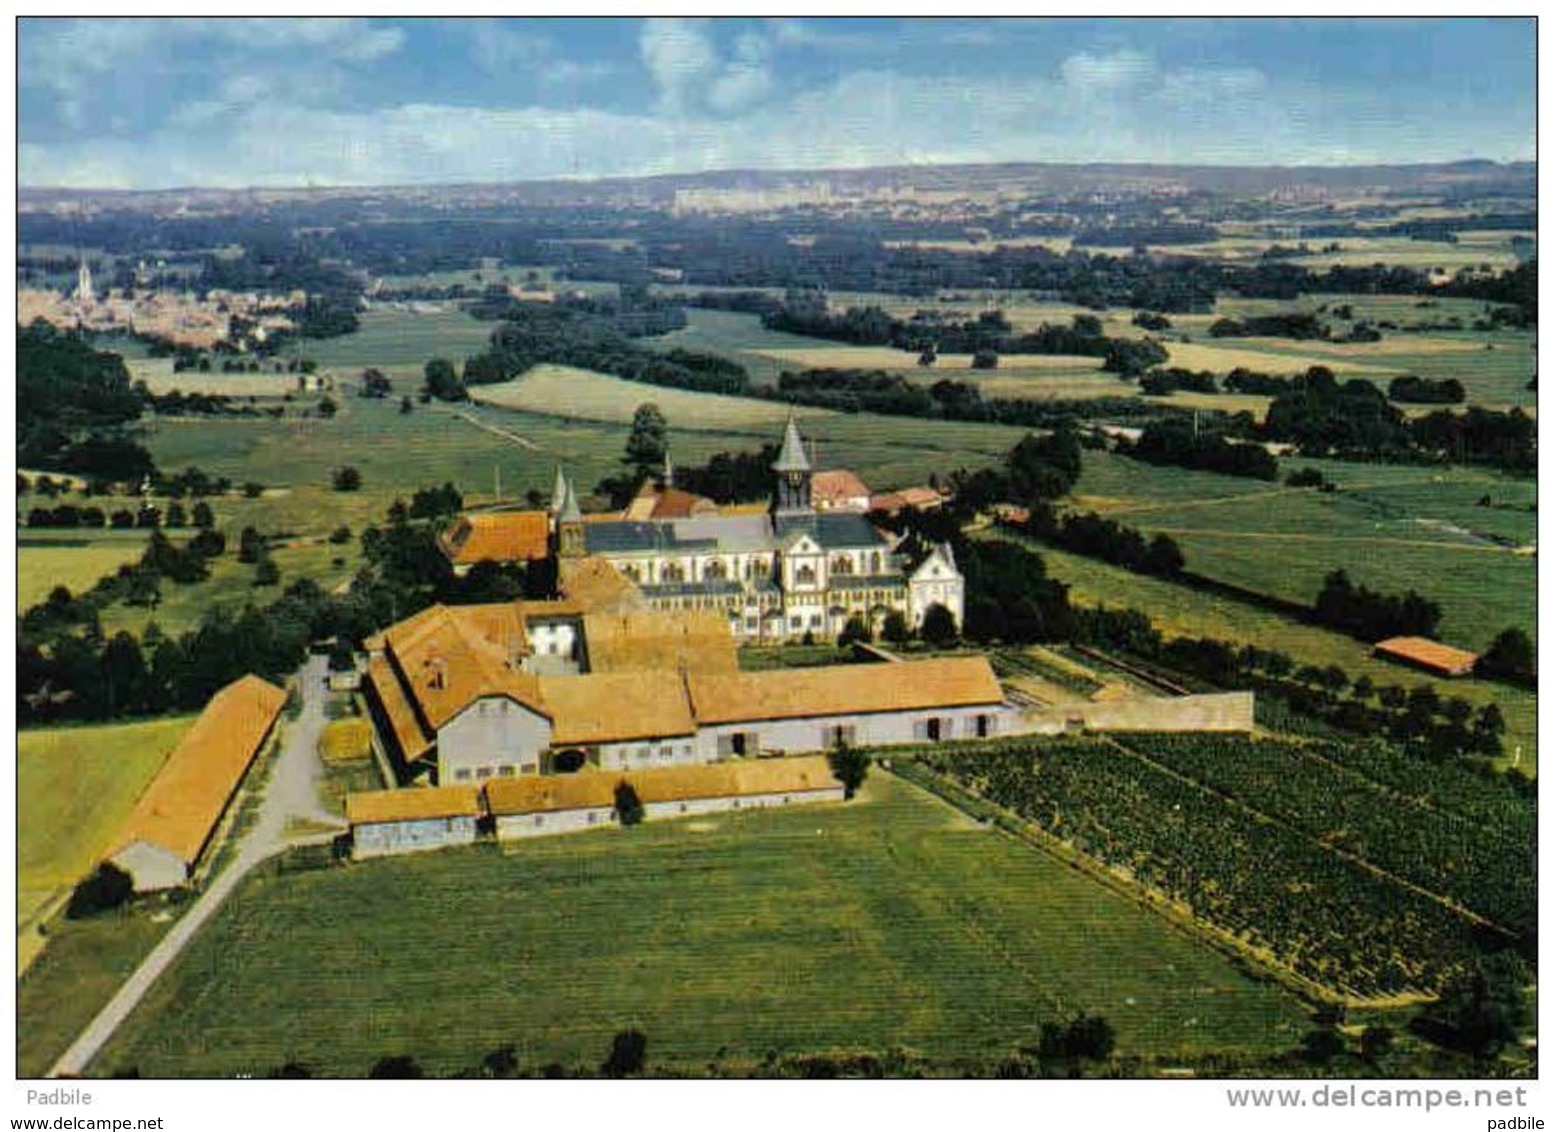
(794,474)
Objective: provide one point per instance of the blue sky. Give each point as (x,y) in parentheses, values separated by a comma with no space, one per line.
(232,102)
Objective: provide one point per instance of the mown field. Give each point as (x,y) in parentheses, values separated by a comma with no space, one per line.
(893,921)
(588,395)
(74,787)
(75,562)
(1178,610)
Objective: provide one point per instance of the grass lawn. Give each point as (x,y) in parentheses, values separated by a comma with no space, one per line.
(75,785)
(85,964)
(890,922)
(1179,611)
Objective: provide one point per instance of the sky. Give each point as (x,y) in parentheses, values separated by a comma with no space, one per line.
(227,102)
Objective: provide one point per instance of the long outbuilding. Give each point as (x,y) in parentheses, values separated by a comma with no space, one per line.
(172,823)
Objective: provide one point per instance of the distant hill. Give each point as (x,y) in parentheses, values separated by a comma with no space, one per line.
(1477,176)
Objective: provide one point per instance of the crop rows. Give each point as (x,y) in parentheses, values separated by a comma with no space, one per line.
(1324,917)
(1451,855)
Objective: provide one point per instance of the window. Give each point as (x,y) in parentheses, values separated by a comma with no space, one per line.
(483,773)
(529,768)
(817,620)
(716,571)
(539,820)
(505,770)
(839,735)
(935,729)
(796,622)
(984,726)
(592,817)
(804,575)
(682,807)
(461,775)
(726,745)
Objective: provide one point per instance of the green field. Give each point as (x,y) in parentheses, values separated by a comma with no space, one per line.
(76,562)
(1177,610)
(74,786)
(1393,528)
(85,964)
(891,922)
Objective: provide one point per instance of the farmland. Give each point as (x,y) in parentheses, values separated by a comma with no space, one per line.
(1251,850)
(75,785)
(1180,611)
(892,921)
(586,395)
(1392,528)
(74,562)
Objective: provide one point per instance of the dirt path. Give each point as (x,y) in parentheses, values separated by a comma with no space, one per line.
(289,795)
(471,418)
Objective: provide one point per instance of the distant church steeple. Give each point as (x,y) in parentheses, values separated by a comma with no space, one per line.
(84,293)
(793,474)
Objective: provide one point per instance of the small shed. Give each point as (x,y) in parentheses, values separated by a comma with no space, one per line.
(413,819)
(1431,656)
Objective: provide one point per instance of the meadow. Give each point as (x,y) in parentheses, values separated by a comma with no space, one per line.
(588,395)
(74,787)
(74,562)
(892,921)
(1393,528)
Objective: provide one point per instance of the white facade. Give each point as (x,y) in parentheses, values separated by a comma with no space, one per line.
(494,737)
(936,581)
(690,807)
(823,733)
(150,867)
(510,827)
(377,839)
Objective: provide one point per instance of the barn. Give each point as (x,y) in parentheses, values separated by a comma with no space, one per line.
(173,820)
(405,821)
(540,806)
(1431,656)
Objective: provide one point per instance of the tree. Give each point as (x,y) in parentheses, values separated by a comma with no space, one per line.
(928,357)
(375,384)
(176,516)
(204,517)
(252,490)
(1509,657)
(896,630)
(628,806)
(1321,1045)
(347,478)
(851,767)
(856,629)
(107,888)
(985,359)
(1091,1036)
(1376,1042)
(250,545)
(340,535)
(939,628)
(401,1067)
(208,544)
(266,572)
(442,382)
(406,405)
(500,1062)
(649,439)
(1484,1008)
(628,1054)
(327,407)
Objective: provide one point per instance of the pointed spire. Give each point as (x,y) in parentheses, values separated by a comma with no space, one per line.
(558,492)
(570,511)
(792,458)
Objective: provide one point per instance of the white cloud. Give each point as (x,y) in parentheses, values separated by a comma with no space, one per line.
(681,60)
(78,62)
(1115,71)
